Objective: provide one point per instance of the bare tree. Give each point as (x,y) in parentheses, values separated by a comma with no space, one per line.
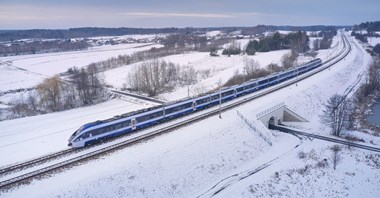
(19,107)
(250,67)
(336,113)
(188,76)
(336,157)
(50,93)
(81,82)
(150,77)
(32,101)
(289,59)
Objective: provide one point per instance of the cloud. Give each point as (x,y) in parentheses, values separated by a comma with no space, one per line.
(190,15)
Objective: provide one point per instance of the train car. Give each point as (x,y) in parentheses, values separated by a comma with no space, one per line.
(94,132)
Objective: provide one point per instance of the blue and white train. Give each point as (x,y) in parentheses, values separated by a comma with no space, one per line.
(91,133)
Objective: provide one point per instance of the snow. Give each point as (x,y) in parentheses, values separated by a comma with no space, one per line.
(222,68)
(243,43)
(214,152)
(130,36)
(355,176)
(373,41)
(15,78)
(53,130)
(213,33)
(26,71)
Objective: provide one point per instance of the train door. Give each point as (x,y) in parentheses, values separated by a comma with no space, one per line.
(133,123)
(235,92)
(194,105)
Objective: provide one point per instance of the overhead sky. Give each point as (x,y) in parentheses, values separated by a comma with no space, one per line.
(60,14)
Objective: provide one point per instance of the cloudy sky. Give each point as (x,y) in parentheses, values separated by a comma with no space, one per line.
(58,14)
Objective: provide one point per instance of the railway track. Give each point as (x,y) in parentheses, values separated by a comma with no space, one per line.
(23,165)
(6,184)
(330,139)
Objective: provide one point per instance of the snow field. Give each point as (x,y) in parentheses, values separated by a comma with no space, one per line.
(356,176)
(221,69)
(26,71)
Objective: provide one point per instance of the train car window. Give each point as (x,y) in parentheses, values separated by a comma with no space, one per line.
(149,116)
(262,82)
(272,78)
(214,97)
(204,100)
(251,85)
(126,123)
(178,108)
(227,93)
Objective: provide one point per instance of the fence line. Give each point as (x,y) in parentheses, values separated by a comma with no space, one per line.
(254,128)
(266,111)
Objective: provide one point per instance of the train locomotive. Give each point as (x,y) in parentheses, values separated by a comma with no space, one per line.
(94,132)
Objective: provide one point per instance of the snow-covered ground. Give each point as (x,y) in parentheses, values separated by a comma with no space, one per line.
(213,33)
(50,132)
(202,158)
(373,41)
(221,69)
(138,37)
(26,71)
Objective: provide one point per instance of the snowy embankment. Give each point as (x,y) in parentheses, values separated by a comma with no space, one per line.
(200,158)
(26,71)
(31,137)
(358,174)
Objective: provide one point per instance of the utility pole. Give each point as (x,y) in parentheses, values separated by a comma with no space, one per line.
(188,90)
(297,76)
(220,102)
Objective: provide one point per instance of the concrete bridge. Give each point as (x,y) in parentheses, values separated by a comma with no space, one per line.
(278,114)
(271,116)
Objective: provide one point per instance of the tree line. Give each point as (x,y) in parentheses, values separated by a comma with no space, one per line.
(174,44)
(325,41)
(37,47)
(372,26)
(154,77)
(297,41)
(84,87)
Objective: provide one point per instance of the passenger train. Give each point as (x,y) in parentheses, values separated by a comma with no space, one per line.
(94,132)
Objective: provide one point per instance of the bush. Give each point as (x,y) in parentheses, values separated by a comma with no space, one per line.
(214,52)
(231,51)
(376,49)
(250,51)
(301,155)
(251,47)
(322,164)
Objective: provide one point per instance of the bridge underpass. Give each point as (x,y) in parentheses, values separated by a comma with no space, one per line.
(277,114)
(271,117)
